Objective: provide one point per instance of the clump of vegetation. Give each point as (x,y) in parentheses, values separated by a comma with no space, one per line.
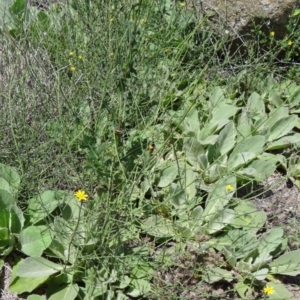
(128,141)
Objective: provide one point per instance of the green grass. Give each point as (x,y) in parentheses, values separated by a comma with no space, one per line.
(86,90)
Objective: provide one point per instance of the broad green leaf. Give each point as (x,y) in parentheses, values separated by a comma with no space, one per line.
(35,297)
(191,124)
(263,169)
(196,213)
(219,220)
(43,205)
(242,289)
(294,100)
(219,196)
(253,144)
(284,142)
(11,176)
(276,115)
(244,128)
(240,160)
(22,285)
(221,115)
(190,184)
(260,274)
(296,12)
(217,97)
(247,217)
(275,99)
(4,185)
(178,196)
(213,173)
(33,267)
(138,287)
(193,149)
(34,240)
(256,105)
(282,127)
(270,240)
(167,176)
(63,292)
(215,274)
(16,219)
(158,226)
(280,292)
(226,139)
(286,264)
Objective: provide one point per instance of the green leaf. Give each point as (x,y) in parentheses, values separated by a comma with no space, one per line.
(256,105)
(138,287)
(259,170)
(242,289)
(280,292)
(217,97)
(226,139)
(167,176)
(35,297)
(190,184)
(284,142)
(294,100)
(11,176)
(260,274)
(22,285)
(43,205)
(282,127)
(158,226)
(253,144)
(219,220)
(219,196)
(216,274)
(296,12)
(244,128)
(191,124)
(33,267)
(34,240)
(276,115)
(193,149)
(63,292)
(247,217)
(286,264)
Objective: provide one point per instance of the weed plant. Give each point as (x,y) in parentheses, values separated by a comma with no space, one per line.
(129,132)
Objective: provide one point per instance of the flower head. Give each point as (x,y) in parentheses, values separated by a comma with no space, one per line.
(111,20)
(272,33)
(229,188)
(182,4)
(79,56)
(269,290)
(111,54)
(71,53)
(290,43)
(81,195)
(73,69)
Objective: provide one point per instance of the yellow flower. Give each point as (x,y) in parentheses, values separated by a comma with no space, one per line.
(73,69)
(182,4)
(269,290)
(144,21)
(81,195)
(71,53)
(111,54)
(79,56)
(229,188)
(272,33)
(290,43)
(167,50)
(111,20)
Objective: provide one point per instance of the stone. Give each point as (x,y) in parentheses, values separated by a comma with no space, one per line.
(235,17)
